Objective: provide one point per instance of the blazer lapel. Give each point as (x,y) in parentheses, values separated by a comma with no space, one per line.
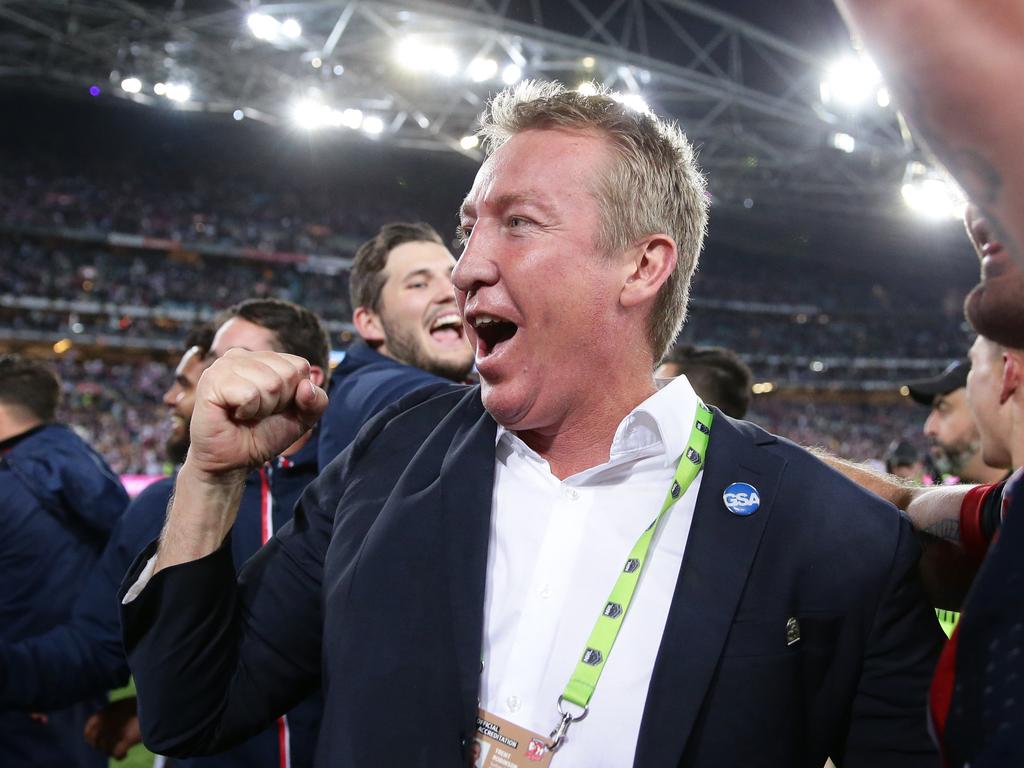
(719,552)
(467,484)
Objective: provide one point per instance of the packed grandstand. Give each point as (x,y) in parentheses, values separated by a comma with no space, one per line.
(116,240)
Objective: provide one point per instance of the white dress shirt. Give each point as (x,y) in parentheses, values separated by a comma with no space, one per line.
(556,549)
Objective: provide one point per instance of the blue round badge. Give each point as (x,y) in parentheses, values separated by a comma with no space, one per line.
(741,499)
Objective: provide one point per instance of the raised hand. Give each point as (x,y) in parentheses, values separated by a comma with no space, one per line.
(250,406)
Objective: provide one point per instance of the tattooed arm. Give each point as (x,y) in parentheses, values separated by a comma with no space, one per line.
(946,569)
(955,67)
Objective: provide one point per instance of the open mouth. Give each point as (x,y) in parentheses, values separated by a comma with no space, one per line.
(446,328)
(491,333)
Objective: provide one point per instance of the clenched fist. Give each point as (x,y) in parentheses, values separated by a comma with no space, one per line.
(250,406)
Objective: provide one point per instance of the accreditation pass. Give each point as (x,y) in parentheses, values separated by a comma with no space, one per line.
(501,744)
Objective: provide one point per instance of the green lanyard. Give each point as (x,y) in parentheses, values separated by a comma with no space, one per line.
(583,682)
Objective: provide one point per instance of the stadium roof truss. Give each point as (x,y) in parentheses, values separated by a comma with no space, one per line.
(748,98)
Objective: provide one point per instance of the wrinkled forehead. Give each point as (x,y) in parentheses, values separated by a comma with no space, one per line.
(559,164)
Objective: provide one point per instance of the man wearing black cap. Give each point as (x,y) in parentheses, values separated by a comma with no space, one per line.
(951,426)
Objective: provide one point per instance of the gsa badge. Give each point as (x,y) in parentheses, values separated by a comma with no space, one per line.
(741,499)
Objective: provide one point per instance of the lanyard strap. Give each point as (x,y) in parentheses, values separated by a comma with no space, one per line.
(599,645)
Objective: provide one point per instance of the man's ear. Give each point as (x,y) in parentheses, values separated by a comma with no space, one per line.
(1013,374)
(368,325)
(650,265)
(316,375)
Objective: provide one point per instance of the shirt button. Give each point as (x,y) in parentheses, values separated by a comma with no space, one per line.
(545,591)
(514,703)
(572,494)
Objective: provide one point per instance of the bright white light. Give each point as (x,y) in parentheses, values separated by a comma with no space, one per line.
(588,62)
(131,85)
(511,74)
(310,114)
(469,142)
(238,114)
(373,125)
(883,98)
(817,366)
(586,88)
(352,118)
(482,69)
(317,62)
(851,82)
(844,142)
(263,27)
(633,101)
(422,120)
(444,61)
(160,89)
(291,28)
(178,92)
(411,54)
(934,198)
(338,70)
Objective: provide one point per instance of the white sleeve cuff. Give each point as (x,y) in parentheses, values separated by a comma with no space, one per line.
(140,584)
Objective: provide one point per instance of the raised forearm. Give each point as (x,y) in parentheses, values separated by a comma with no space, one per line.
(200,516)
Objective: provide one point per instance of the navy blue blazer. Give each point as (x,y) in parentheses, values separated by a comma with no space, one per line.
(377,588)
(362,385)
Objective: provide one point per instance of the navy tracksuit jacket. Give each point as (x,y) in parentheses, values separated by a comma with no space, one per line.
(83,656)
(59,502)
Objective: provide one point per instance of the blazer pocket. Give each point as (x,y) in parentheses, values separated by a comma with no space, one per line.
(818,633)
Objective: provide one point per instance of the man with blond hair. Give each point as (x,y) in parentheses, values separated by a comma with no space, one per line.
(470,568)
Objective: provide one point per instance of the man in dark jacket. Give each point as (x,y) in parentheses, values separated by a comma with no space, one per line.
(58,503)
(409,327)
(74,661)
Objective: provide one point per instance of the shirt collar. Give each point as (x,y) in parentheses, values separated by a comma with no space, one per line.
(660,425)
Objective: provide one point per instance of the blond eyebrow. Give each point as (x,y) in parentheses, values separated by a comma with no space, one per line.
(509,199)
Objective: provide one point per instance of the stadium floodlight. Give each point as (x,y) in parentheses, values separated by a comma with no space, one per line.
(352,118)
(411,54)
(373,125)
(131,85)
(291,29)
(444,61)
(633,101)
(160,89)
(844,142)
(934,198)
(587,88)
(416,56)
(311,114)
(481,69)
(469,142)
(238,114)
(263,27)
(179,92)
(931,193)
(511,74)
(850,82)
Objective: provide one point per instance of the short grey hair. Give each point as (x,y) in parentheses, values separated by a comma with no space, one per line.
(654,186)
